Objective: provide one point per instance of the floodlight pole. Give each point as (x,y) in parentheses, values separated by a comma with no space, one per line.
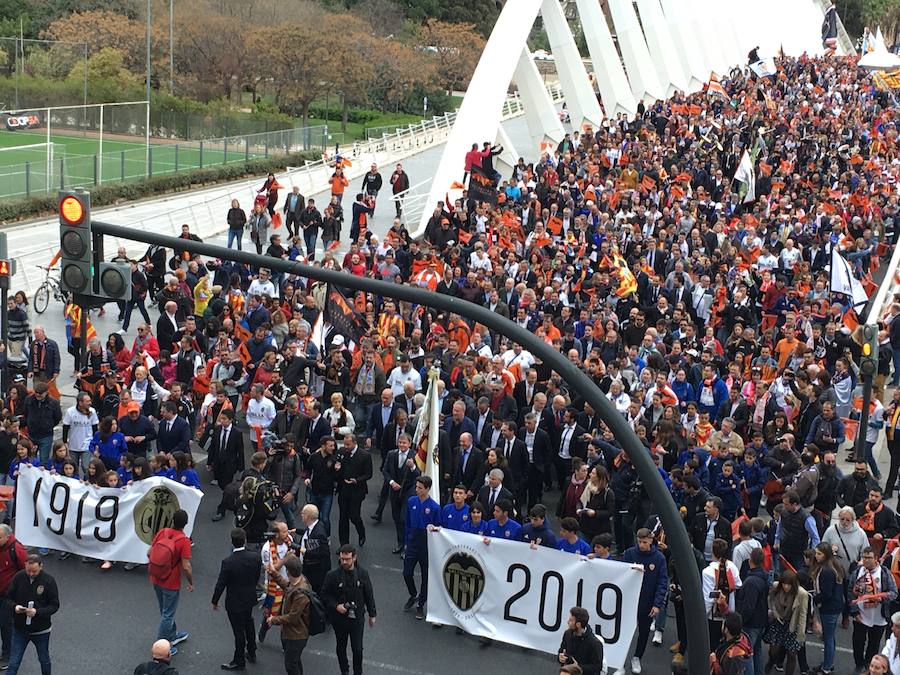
(677,536)
(171,47)
(147,85)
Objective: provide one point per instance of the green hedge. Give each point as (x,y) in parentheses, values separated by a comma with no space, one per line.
(20,209)
(354,115)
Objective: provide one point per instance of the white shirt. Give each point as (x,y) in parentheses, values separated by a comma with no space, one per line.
(261,288)
(398,378)
(708,577)
(524,358)
(260,413)
(80,427)
(565,441)
(282,550)
(529,445)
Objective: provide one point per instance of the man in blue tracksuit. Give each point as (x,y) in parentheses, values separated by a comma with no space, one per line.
(653,588)
(421,512)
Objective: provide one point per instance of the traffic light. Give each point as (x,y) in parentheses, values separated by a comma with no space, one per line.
(75,241)
(868,365)
(114,281)
(6,271)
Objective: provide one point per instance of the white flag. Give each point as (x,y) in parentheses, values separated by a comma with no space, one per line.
(843,281)
(428,428)
(747,176)
(764,67)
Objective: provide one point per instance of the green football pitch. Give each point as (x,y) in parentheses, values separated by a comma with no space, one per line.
(75,160)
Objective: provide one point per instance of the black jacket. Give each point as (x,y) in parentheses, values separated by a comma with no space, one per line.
(317,559)
(359,468)
(156,668)
(402,475)
(238,575)
(342,586)
(722,530)
(541,451)
(752,601)
(41,416)
(585,650)
(41,591)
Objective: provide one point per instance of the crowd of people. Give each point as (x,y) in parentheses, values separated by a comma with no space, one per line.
(702,307)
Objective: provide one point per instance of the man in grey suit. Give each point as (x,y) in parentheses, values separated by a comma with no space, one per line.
(400,473)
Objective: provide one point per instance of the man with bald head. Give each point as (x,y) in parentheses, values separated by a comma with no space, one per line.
(167,325)
(314,547)
(159,663)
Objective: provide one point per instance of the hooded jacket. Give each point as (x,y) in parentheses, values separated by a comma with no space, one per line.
(656,577)
(732,656)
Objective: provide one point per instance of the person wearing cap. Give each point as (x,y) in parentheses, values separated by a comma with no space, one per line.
(137,429)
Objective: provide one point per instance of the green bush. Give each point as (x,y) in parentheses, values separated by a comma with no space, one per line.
(354,115)
(105,195)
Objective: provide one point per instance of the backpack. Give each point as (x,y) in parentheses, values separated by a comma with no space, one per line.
(163,557)
(318,618)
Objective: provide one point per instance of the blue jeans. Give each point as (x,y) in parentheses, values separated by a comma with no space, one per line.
(870,458)
(310,234)
(168,603)
(829,627)
(323,503)
(44,446)
(755,665)
(235,236)
(20,640)
(287,510)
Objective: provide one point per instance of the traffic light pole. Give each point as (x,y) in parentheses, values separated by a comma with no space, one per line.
(677,536)
(859,449)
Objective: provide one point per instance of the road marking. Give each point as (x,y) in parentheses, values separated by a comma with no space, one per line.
(386,568)
(845,650)
(390,667)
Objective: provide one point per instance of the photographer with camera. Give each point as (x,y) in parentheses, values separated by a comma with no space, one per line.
(348,596)
(285,471)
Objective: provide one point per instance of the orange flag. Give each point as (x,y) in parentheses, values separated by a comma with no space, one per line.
(850,320)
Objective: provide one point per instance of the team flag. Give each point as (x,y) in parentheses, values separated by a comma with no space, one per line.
(746,176)
(340,314)
(425,440)
(843,281)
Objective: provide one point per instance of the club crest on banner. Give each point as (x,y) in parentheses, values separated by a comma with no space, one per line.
(464,578)
(154,511)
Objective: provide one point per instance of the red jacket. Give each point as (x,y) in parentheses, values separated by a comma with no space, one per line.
(8,568)
(473,158)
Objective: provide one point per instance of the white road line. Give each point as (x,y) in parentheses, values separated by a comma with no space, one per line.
(398,570)
(390,667)
(845,650)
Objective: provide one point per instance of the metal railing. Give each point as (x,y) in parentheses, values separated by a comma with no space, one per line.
(55,169)
(206,216)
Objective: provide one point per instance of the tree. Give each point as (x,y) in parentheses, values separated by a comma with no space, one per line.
(456,48)
(208,54)
(359,51)
(396,67)
(107,77)
(297,75)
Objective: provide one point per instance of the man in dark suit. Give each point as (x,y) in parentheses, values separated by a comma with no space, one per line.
(735,408)
(458,424)
(709,525)
(400,473)
(491,436)
(290,421)
(537,444)
(155,257)
(525,390)
(656,258)
(380,415)
(517,459)
(314,547)
(167,326)
(238,576)
(406,399)
(294,204)
(174,433)
(571,444)
(353,483)
(503,405)
(389,440)
(226,454)
(314,428)
(490,494)
(482,417)
(463,465)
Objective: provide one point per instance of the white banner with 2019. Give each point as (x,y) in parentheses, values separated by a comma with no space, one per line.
(115,524)
(508,592)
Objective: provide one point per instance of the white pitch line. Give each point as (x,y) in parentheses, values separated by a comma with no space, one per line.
(390,667)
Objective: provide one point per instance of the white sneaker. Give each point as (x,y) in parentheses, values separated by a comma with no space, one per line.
(657,637)
(635,665)
(620,671)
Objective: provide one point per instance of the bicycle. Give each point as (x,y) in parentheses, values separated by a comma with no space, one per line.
(50,286)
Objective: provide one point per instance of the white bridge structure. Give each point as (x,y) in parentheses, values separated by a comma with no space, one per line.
(650,50)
